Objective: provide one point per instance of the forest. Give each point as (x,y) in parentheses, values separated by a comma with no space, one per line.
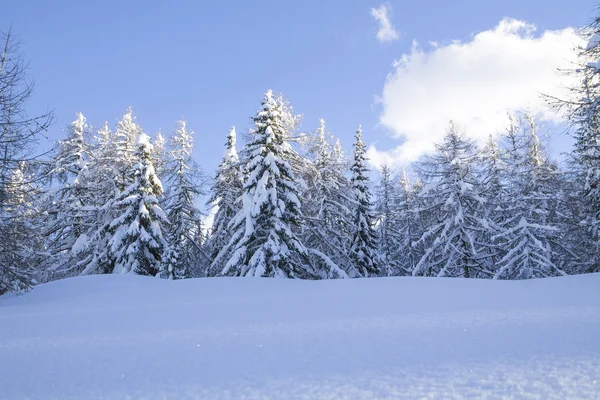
(292,204)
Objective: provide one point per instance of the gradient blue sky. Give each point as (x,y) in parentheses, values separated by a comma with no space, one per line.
(210,61)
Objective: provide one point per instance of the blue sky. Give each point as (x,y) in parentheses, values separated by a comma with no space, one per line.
(210,62)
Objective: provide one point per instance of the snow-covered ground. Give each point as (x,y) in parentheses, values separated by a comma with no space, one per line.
(129,337)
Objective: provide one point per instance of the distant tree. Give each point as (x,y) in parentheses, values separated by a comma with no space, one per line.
(67,216)
(364,239)
(388,223)
(451,197)
(493,180)
(185,181)
(124,147)
(530,234)
(160,154)
(326,203)
(225,199)
(408,225)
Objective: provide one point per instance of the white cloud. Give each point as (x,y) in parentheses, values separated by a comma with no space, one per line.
(386,32)
(473,83)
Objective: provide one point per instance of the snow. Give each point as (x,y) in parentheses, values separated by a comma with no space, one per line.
(593,42)
(132,337)
(143,140)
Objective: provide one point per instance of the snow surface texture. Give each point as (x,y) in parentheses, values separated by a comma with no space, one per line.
(131,337)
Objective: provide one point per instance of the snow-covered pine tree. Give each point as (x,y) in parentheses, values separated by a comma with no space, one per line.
(124,144)
(97,189)
(226,196)
(70,158)
(451,198)
(530,236)
(137,245)
(185,180)
(20,238)
(364,239)
(101,169)
(326,206)
(582,106)
(387,215)
(65,206)
(160,155)
(493,190)
(407,224)
(264,242)
(107,176)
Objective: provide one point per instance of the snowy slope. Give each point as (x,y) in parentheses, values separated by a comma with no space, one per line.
(129,337)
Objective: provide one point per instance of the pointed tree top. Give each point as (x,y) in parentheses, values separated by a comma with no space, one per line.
(404,180)
(143,140)
(269,100)
(230,154)
(79,122)
(231,137)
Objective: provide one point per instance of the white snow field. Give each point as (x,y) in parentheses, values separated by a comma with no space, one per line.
(130,337)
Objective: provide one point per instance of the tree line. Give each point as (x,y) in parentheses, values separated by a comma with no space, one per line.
(293,204)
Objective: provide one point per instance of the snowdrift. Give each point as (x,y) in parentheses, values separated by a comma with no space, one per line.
(131,337)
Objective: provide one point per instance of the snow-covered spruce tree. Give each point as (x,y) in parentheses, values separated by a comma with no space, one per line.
(18,137)
(66,212)
(124,147)
(326,201)
(493,189)
(185,185)
(407,225)
(363,249)
(70,158)
(21,242)
(160,155)
(264,243)
(112,156)
(102,168)
(226,196)
(137,245)
(387,213)
(96,190)
(582,106)
(530,235)
(451,198)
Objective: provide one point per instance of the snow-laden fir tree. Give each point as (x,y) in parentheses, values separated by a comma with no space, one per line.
(451,198)
(98,183)
(102,169)
(407,225)
(65,206)
(137,244)
(70,158)
(493,177)
(160,155)
(582,106)
(326,202)
(529,236)
(108,175)
(184,180)
(363,248)
(264,242)
(225,199)
(388,229)
(124,143)
(20,240)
